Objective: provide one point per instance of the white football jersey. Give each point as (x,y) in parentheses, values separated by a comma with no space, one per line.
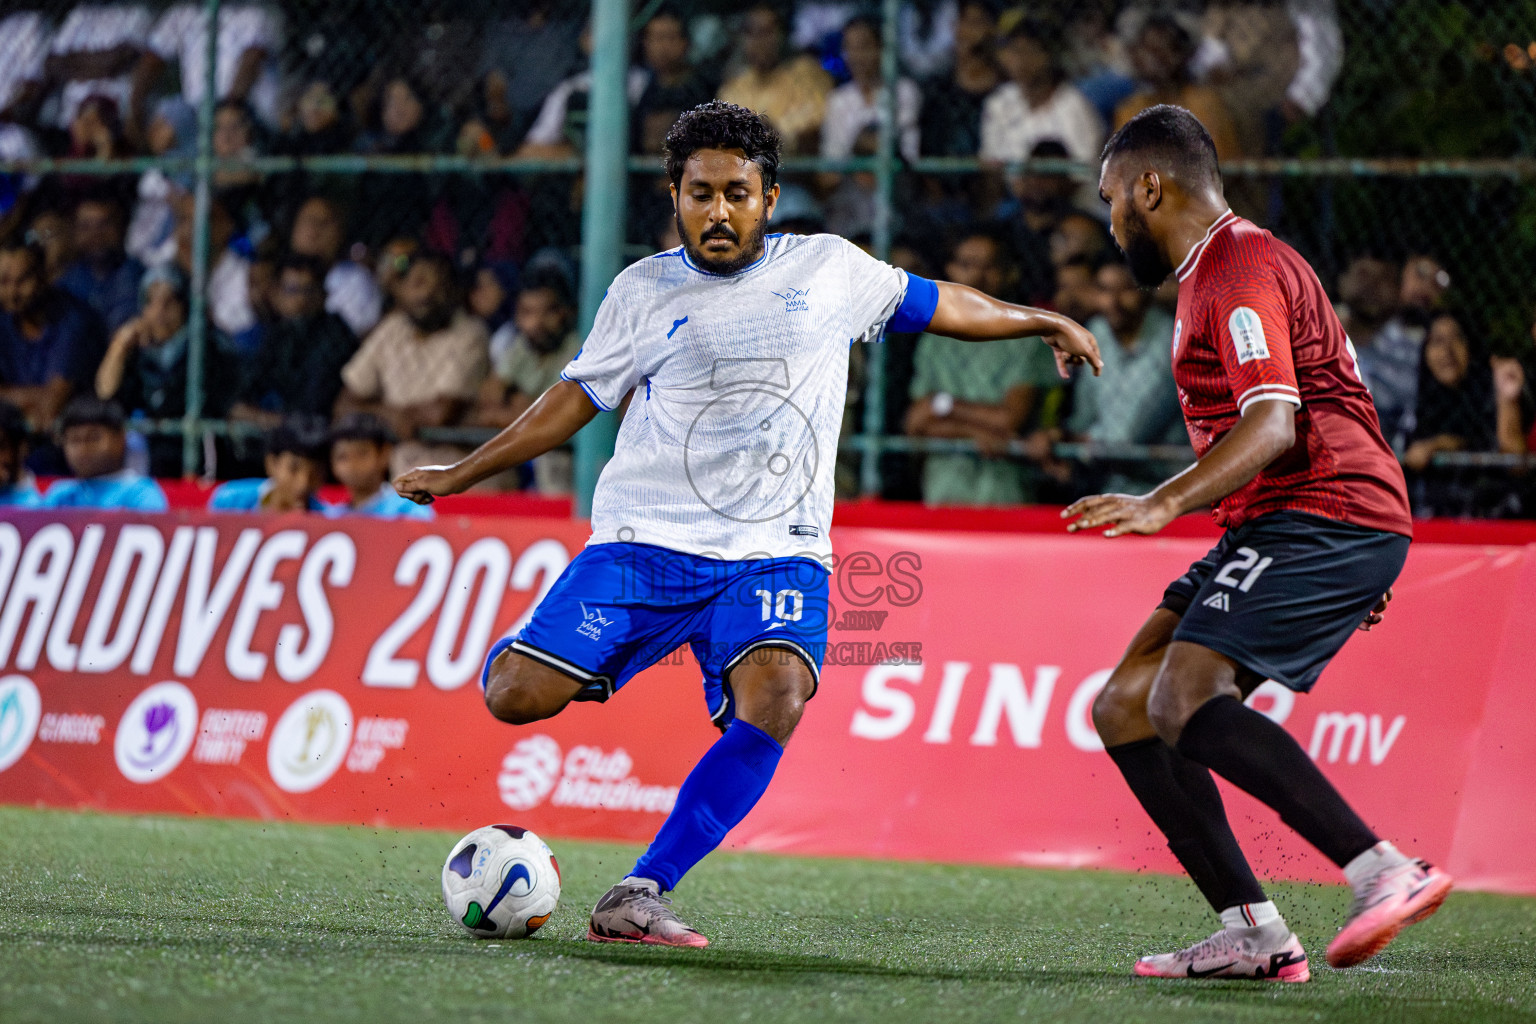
(728,446)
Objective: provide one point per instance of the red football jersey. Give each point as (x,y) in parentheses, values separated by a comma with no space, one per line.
(1254,324)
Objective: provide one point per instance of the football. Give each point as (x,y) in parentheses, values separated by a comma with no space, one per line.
(501,882)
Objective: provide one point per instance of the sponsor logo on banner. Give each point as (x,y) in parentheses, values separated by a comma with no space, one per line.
(155,732)
(529,772)
(1361,733)
(310,741)
(67,728)
(224,734)
(1013,705)
(374,736)
(588,777)
(20,709)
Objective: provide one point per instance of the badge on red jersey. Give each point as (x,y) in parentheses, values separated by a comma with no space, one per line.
(1247,335)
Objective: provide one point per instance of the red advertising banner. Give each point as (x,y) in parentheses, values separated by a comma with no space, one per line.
(328,670)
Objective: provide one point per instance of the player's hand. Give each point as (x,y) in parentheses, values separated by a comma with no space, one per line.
(1122,513)
(425,483)
(1073,345)
(1376,614)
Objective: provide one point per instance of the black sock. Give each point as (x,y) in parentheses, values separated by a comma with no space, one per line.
(1262,759)
(1182,800)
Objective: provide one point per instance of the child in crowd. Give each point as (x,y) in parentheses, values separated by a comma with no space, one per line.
(295,453)
(96,448)
(361,447)
(17,488)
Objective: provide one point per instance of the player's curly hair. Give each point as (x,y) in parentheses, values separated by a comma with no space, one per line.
(720,125)
(1171,136)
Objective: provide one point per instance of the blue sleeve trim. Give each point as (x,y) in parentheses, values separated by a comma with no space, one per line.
(590,393)
(917,307)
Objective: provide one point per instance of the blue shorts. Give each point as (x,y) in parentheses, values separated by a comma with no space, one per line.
(617,609)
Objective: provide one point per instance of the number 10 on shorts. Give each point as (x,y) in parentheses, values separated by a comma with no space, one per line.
(786,604)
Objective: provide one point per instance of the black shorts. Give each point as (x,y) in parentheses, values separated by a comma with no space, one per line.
(1281,594)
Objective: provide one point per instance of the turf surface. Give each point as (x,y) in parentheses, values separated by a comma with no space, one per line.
(169,919)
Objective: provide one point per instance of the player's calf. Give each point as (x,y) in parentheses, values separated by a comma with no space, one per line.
(519,690)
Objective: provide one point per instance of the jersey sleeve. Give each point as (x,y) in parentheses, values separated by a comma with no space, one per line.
(605,366)
(1250,325)
(881,296)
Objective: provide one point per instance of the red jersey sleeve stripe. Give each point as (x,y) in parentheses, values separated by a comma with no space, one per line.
(1267,392)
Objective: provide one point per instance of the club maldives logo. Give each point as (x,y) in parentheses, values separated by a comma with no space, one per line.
(20,710)
(310,741)
(588,777)
(529,772)
(155,732)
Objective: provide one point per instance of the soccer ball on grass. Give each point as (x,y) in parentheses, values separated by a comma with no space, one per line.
(501,882)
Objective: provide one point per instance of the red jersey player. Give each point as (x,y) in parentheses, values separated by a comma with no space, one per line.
(1292,460)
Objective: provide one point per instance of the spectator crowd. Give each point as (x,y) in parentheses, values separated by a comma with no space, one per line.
(351,318)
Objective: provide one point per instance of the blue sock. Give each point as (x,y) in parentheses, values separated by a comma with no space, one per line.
(726,783)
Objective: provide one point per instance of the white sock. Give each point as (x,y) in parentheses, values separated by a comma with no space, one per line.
(649,883)
(1373,861)
(1250,915)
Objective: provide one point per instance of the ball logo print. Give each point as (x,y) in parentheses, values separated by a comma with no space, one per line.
(310,741)
(758,476)
(155,732)
(529,773)
(20,710)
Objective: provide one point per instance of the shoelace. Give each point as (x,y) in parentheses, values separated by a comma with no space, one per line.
(653,903)
(1217,943)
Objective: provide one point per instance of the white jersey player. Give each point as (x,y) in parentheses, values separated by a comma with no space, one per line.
(710,524)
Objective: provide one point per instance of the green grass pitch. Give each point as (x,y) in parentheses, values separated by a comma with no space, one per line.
(106,918)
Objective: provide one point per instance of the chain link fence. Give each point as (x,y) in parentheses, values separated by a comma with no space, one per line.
(363,173)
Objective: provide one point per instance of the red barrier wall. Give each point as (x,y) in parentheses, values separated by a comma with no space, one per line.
(324,670)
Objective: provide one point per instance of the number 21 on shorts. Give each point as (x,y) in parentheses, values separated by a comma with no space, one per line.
(1248,561)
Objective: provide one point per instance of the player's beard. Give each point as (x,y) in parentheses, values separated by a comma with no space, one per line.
(1148,265)
(747,254)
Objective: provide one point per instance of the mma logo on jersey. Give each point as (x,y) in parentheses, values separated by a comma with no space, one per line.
(1218,601)
(1247,335)
(794,300)
(592,622)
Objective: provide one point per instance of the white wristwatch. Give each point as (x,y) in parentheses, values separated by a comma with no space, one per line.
(943,404)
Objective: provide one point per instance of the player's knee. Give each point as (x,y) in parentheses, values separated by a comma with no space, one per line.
(1120,709)
(517,697)
(1110,714)
(784,692)
(771,691)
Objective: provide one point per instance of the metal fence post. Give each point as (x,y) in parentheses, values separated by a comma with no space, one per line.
(885,183)
(602,213)
(197,305)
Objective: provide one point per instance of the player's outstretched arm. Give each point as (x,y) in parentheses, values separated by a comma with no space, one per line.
(1264,433)
(548,423)
(970,315)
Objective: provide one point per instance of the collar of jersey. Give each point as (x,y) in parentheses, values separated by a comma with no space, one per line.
(1192,258)
(683,252)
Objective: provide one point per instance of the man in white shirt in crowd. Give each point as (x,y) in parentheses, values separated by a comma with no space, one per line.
(95,52)
(1037,102)
(246,68)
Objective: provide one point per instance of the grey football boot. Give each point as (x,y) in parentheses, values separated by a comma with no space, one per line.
(636,911)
